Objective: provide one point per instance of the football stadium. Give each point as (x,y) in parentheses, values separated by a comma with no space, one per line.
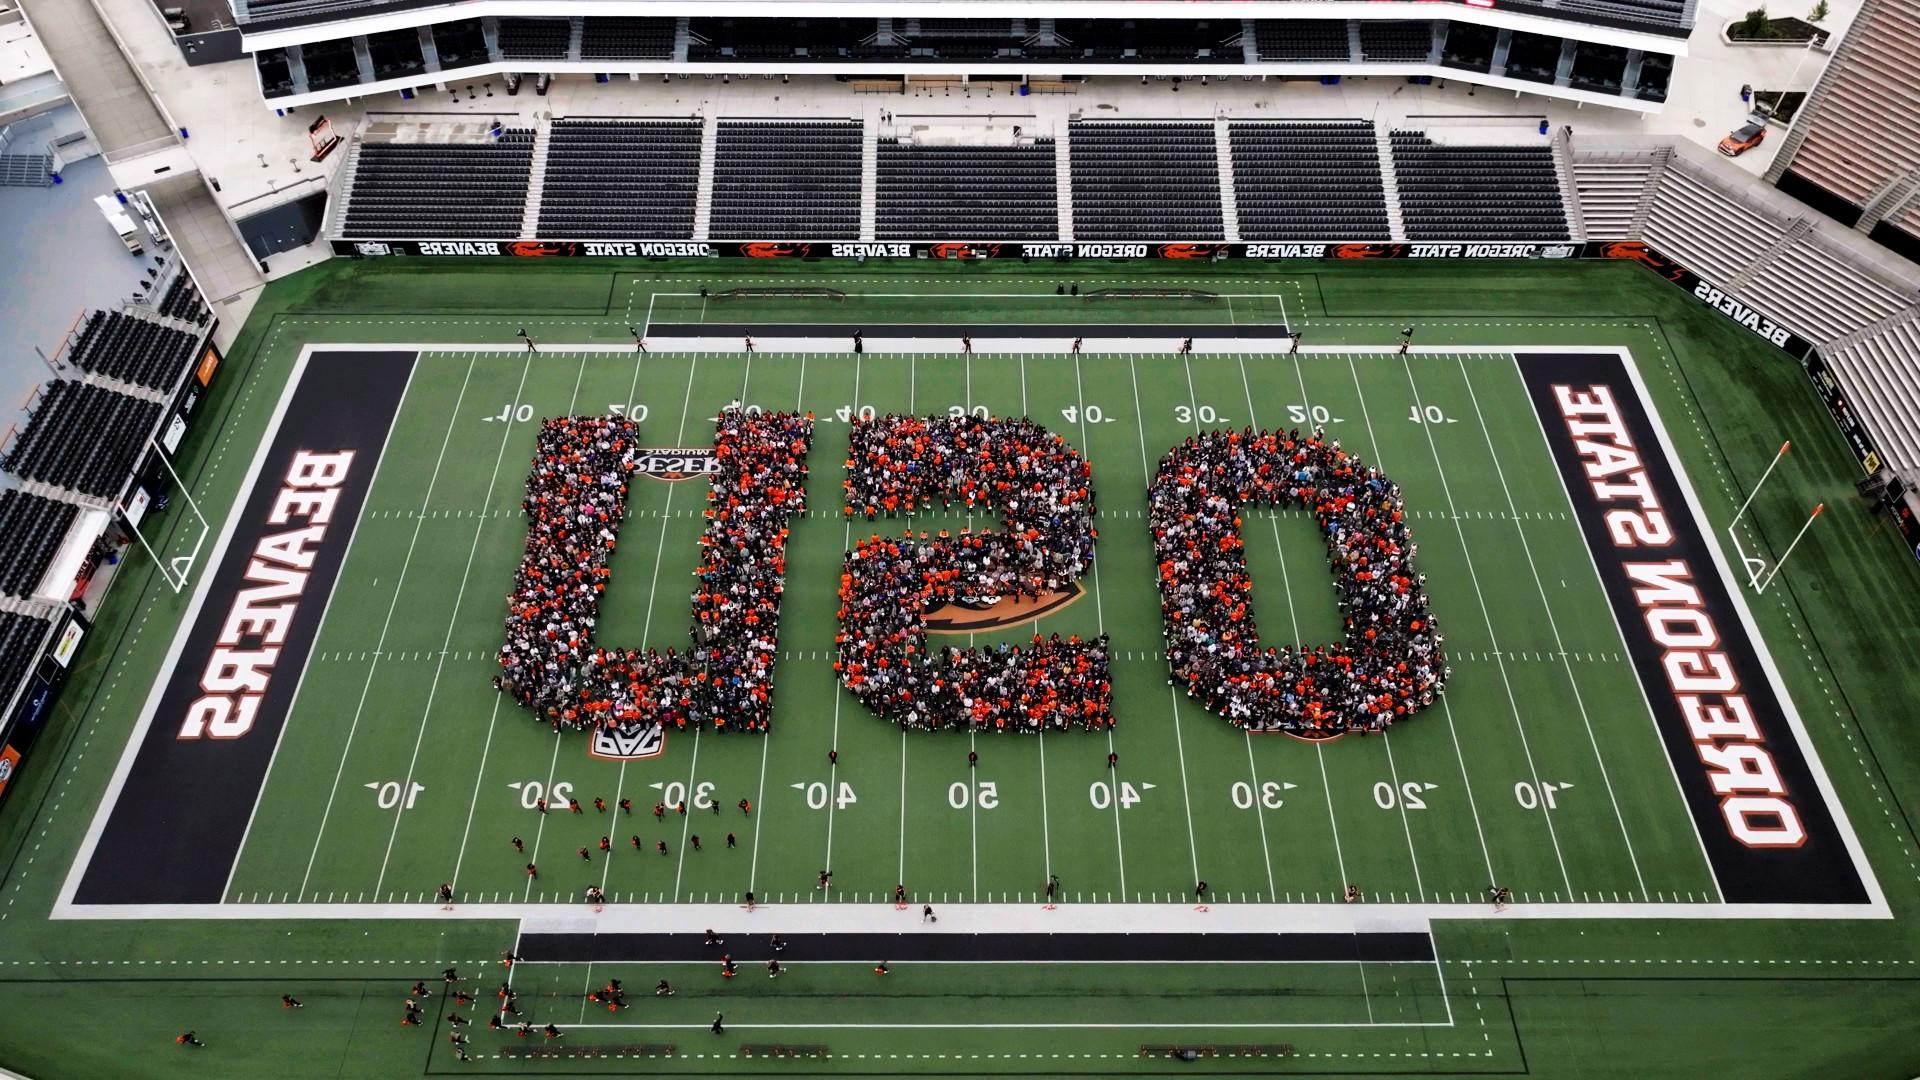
(574,539)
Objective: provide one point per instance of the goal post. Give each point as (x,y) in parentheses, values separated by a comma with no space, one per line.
(176,570)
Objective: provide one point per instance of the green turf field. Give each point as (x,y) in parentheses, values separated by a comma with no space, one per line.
(1435,811)
(1540,771)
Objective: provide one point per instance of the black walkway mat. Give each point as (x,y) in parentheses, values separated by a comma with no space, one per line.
(1403,947)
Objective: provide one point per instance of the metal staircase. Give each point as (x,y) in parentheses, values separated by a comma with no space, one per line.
(1389,182)
(1063,181)
(1229,195)
(536,178)
(703,187)
(869,176)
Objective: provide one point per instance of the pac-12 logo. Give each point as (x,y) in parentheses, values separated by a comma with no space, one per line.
(676,464)
(648,742)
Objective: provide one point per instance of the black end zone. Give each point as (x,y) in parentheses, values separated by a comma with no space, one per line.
(954,332)
(1818,869)
(177,822)
(1385,947)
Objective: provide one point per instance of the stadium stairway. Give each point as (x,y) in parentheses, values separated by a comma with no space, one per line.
(1063,178)
(703,188)
(1389,185)
(869,175)
(1229,195)
(26,170)
(537,178)
(681,40)
(576,34)
(1249,44)
(1569,186)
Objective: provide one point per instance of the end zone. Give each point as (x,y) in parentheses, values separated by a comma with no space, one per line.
(168,830)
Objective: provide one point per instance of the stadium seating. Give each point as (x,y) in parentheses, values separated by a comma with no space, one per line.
(620,179)
(1308,181)
(83,437)
(396,53)
(1533,57)
(787,39)
(605,37)
(966,192)
(20,638)
(330,64)
(461,43)
(1169,40)
(1469,47)
(1301,40)
(1395,41)
(1477,192)
(775,180)
(131,349)
(440,190)
(1145,181)
(182,301)
(534,39)
(31,529)
(276,75)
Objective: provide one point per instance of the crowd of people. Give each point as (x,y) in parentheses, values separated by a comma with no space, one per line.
(1390,663)
(576,498)
(1042,490)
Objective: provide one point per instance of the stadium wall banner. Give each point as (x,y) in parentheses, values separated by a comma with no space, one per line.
(961,250)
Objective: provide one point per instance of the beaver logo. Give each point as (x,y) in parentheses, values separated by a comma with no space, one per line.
(988,615)
(768,250)
(675,464)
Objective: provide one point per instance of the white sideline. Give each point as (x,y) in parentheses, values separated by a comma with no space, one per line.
(959,918)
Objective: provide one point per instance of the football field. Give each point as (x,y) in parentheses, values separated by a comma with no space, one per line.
(294,831)
(1541,769)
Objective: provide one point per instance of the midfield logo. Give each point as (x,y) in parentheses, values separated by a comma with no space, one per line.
(985,616)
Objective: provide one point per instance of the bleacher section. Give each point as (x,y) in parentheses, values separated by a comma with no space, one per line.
(1708,230)
(440,190)
(1301,40)
(1477,192)
(1881,373)
(787,39)
(1165,40)
(461,43)
(1308,181)
(83,437)
(620,180)
(966,192)
(1145,181)
(1396,42)
(20,638)
(1611,188)
(32,528)
(182,301)
(131,349)
(534,39)
(626,38)
(776,180)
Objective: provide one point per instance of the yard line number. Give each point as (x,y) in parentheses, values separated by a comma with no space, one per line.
(1408,795)
(817,794)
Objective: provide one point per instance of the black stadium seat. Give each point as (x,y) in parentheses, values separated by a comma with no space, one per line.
(620,180)
(1308,180)
(966,192)
(83,437)
(435,191)
(780,180)
(1145,181)
(1477,192)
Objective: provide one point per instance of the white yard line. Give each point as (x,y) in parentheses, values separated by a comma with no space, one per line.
(1173,695)
(1253,769)
(1446,708)
(1486,616)
(833,743)
(760,793)
(359,709)
(453,623)
(1553,624)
